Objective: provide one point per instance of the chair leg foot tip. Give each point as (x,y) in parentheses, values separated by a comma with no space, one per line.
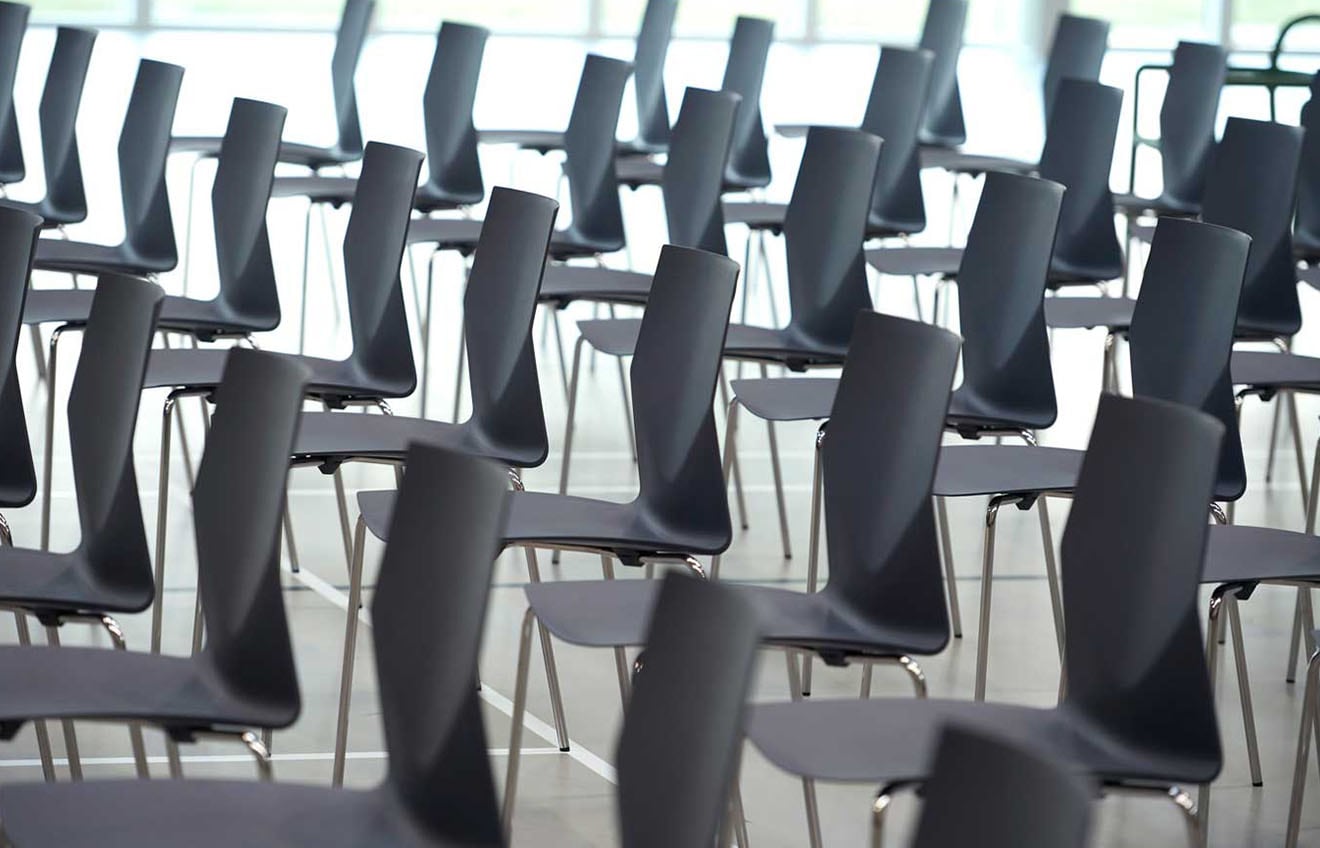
(563,750)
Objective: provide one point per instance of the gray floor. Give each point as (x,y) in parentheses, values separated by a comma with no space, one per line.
(566,799)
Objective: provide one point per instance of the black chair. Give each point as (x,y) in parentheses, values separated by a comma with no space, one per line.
(824,227)
(649,80)
(1138,522)
(884,601)
(13,25)
(677,765)
(942,35)
(1076,53)
(681,510)
(18,479)
(247,301)
(1306,226)
(1007,387)
(65,201)
(988,791)
(596,227)
(652,45)
(748,168)
(110,570)
(380,366)
(148,248)
(1187,136)
(893,113)
(453,181)
(244,676)
(1079,149)
(438,790)
(347,147)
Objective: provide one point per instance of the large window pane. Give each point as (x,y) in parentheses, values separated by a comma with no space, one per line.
(709,18)
(321,14)
(1148,23)
(81,11)
(896,21)
(1256,24)
(506,16)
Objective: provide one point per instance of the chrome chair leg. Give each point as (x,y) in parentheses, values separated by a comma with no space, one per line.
(950,577)
(1191,820)
(1297,447)
(1244,690)
(42,728)
(341,501)
(813,543)
(173,758)
(288,540)
(1213,627)
(548,657)
(734,472)
(987,572)
(559,345)
(329,265)
(878,810)
(38,351)
(48,460)
(306,266)
(199,625)
(569,423)
(261,753)
(808,785)
(768,277)
(620,654)
(779,480)
(162,517)
(1309,716)
(134,728)
(188,221)
(730,457)
(865,691)
(350,648)
(627,402)
(1274,438)
(516,728)
(1051,572)
(1295,639)
(458,377)
(70,735)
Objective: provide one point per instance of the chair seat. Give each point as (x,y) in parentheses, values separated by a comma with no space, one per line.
(445,233)
(291,153)
(572,243)
(610,613)
(970,414)
(958,162)
(563,284)
(542,141)
(205,814)
(332,379)
(618,337)
(50,218)
(756,215)
(967,470)
(183,314)
(787,398)
(80,257)
(1275,370)
(63,582)
(1132,205)
(916,261)
(1084,313)
(1246,554)
(338,191)
(881,227)
(636,171)
(96,683)
(341,436)
(890,740)
(553,519)
(1065,273)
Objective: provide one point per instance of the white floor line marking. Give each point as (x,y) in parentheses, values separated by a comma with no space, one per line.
(576,749)
(197,759)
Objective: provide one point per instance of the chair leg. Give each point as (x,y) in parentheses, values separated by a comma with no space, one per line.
(1274,439)
(769,278)
(329,265)
(987,572)
(1191,821)
(1295,641)
(1052,578)
(808,785)
(733,472)
(188,221)
(38,350)
(350,648)
(162,516)
(516,728)
(70,735)
(867,670)
(730,454)
(1297,447)
(950,577)
(458,376)
(779,481)
(199,625)
(48,459)
(42,728)
(627,403)
(1309,716)
(878,810)
(813,544)
(559,345)
(341,502)
(288,540)
(620,654)
(261,753)
(134,729)
(548,657)
(569,423)
(1214,624)
(1244,690)
(307,259)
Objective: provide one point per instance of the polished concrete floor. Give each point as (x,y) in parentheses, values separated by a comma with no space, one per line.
(566,799)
